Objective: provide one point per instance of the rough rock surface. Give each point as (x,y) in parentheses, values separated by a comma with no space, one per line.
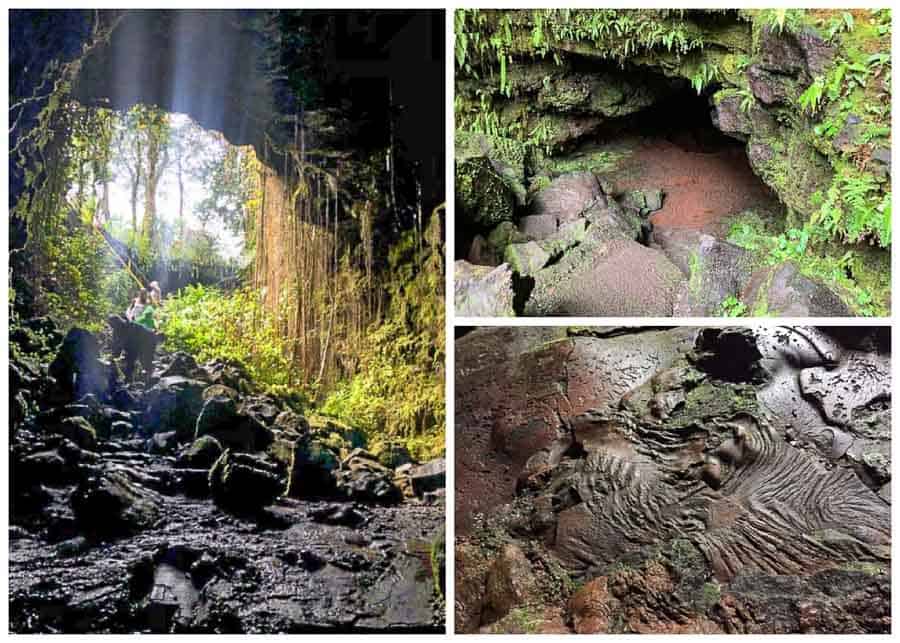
(481,291)
(681,481)
(120,521)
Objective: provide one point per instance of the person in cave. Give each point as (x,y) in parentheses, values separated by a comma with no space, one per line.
(146,316)
(137,305)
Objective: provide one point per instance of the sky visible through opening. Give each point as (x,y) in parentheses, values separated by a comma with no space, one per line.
(230,245)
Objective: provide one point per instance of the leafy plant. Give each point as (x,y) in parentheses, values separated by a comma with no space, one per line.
(840,24)
(811,99)
(731,306)
(705,74)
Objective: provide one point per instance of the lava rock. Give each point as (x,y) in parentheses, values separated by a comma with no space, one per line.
(362,477)
(481,291)
(244,482)
(221,419)
(201,454)
(109,504)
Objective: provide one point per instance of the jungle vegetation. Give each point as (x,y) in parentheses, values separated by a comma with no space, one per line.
(321,305)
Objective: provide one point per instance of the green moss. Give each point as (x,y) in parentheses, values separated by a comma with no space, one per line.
(696,278)
(524,620)
(715,399)
(710,595)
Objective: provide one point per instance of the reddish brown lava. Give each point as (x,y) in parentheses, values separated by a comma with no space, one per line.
(702,183)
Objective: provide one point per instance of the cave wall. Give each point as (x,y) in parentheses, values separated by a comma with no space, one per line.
(567,87)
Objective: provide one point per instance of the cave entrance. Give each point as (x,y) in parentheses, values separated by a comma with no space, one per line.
(674,146)
(165,199)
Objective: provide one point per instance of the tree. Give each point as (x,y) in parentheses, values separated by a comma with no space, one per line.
(153,124)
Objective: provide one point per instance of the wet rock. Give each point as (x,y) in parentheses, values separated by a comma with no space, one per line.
(220,418)
(362,477)
(292,423)
(220,390)
(78,430)
(782,291)
(480,291)
(109,504)
(173,404)
(428,477)
(525,258)
(201,454)
(163,443)
(262,409)
(77,368)
(244,482)
(313,467)
(338,515)
(183,365)
(567,196)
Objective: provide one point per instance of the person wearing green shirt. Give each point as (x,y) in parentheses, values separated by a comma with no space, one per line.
(145,318)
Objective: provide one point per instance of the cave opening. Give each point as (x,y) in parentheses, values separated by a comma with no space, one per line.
(673,145)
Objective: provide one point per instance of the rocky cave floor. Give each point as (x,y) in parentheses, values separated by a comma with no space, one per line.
(682,480)
(122,521)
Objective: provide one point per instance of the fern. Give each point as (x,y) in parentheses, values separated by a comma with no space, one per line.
(811,99)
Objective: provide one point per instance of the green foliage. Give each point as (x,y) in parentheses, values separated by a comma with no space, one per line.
(809,249)
(210,323)
(839,24)
(811,99)
(398,392)
(77,264)
(731,306)
(855,208)
(704,74)
(782,20)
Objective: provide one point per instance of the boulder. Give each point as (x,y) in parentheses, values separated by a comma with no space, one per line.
(109,504)
(713,269)
(78,430)
(481,253)
(201,454)
(617,277)
(489,178)
(510,583)
(184,365)
(526,258)
(361,477)
(642,201)
(567,236)
(230,373)
(428,477)
(221,419)
(245,482)
(262,409)
(782,291)
(481,291)
(312,469)
(291,423)
(535,227)
(567,196)
(394,455)
(220,390)
(77,368)
(173,405)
